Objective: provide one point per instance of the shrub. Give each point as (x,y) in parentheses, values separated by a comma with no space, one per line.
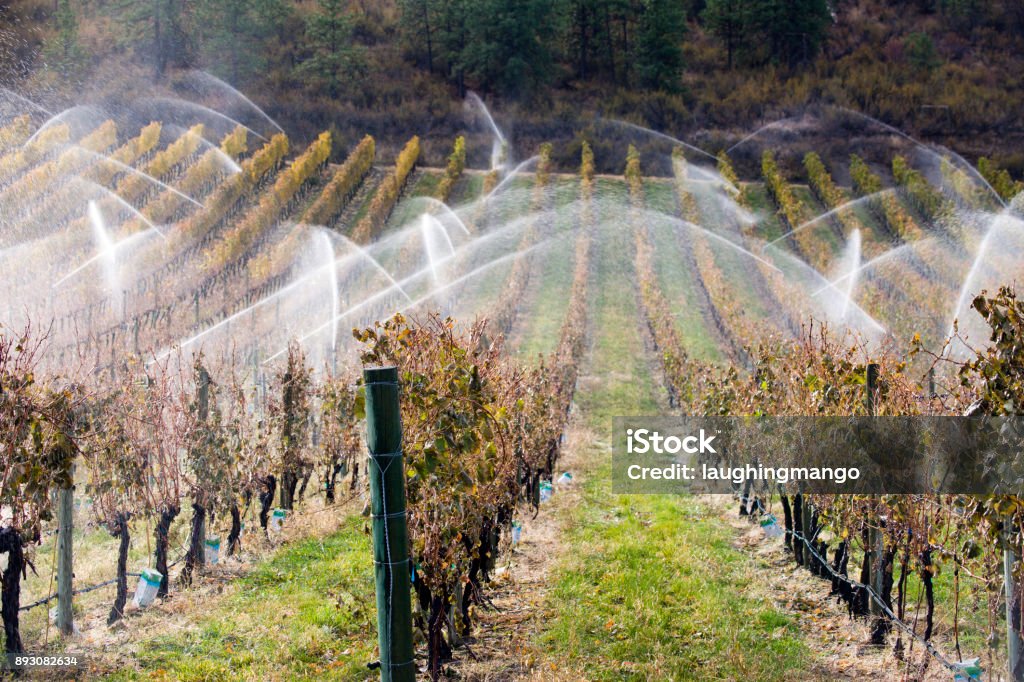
(1004,185)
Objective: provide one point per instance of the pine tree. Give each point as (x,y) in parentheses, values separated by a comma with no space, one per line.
(158,31)
(419,24)
(237,37)
(510,50)
(453,20)
(659,51)
(64,53)
(329,34)
(726,19)
(792,29)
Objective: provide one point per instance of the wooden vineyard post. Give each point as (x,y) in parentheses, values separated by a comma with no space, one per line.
(390,531)
(875,536)
(1013,616)
(199,525)
(807,521)
(65,530)
(871,387)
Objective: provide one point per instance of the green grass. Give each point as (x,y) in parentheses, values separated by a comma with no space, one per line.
(553,267)
(676,279)
(479,295)
(650,587)
(655,590)
(736,267)
(626,387)
(467,188)
(423,184)
(823,230)
(768,225)
(308,613)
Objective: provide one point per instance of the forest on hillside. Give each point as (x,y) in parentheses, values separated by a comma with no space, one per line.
(947,71)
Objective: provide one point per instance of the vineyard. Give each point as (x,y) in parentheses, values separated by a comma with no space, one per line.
(189,302)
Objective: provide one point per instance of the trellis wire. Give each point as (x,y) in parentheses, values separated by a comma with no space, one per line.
(90,588)
(881,603)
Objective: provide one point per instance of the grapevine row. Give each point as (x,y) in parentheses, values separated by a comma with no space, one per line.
(453,171)
(271,205)
(45,176)
(770,285)
(793,214)
(386,196)
(656,311)
(15,133)
(507,306)
(133,187)
(335,195)
(58,206)
(877,293)
(198,180)
(32,152)
(726,312)
(1004,185)
(342,185)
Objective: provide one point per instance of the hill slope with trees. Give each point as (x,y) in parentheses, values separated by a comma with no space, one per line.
(944,70)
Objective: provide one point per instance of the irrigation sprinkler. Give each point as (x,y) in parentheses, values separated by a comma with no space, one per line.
(390,531)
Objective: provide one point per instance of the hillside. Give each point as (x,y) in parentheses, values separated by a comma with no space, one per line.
(944,71)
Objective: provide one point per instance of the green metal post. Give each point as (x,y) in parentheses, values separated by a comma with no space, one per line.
(390,531)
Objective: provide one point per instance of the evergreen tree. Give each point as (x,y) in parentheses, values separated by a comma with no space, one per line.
(237,37)
(791,29)
(508,44)
(157,31)
(590,39)
(64,54)
(225,47)
(920,52)
(335,59)
(583,20)
(659,51)
(418,25)
(727,20)
(761,31)
(598,37)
